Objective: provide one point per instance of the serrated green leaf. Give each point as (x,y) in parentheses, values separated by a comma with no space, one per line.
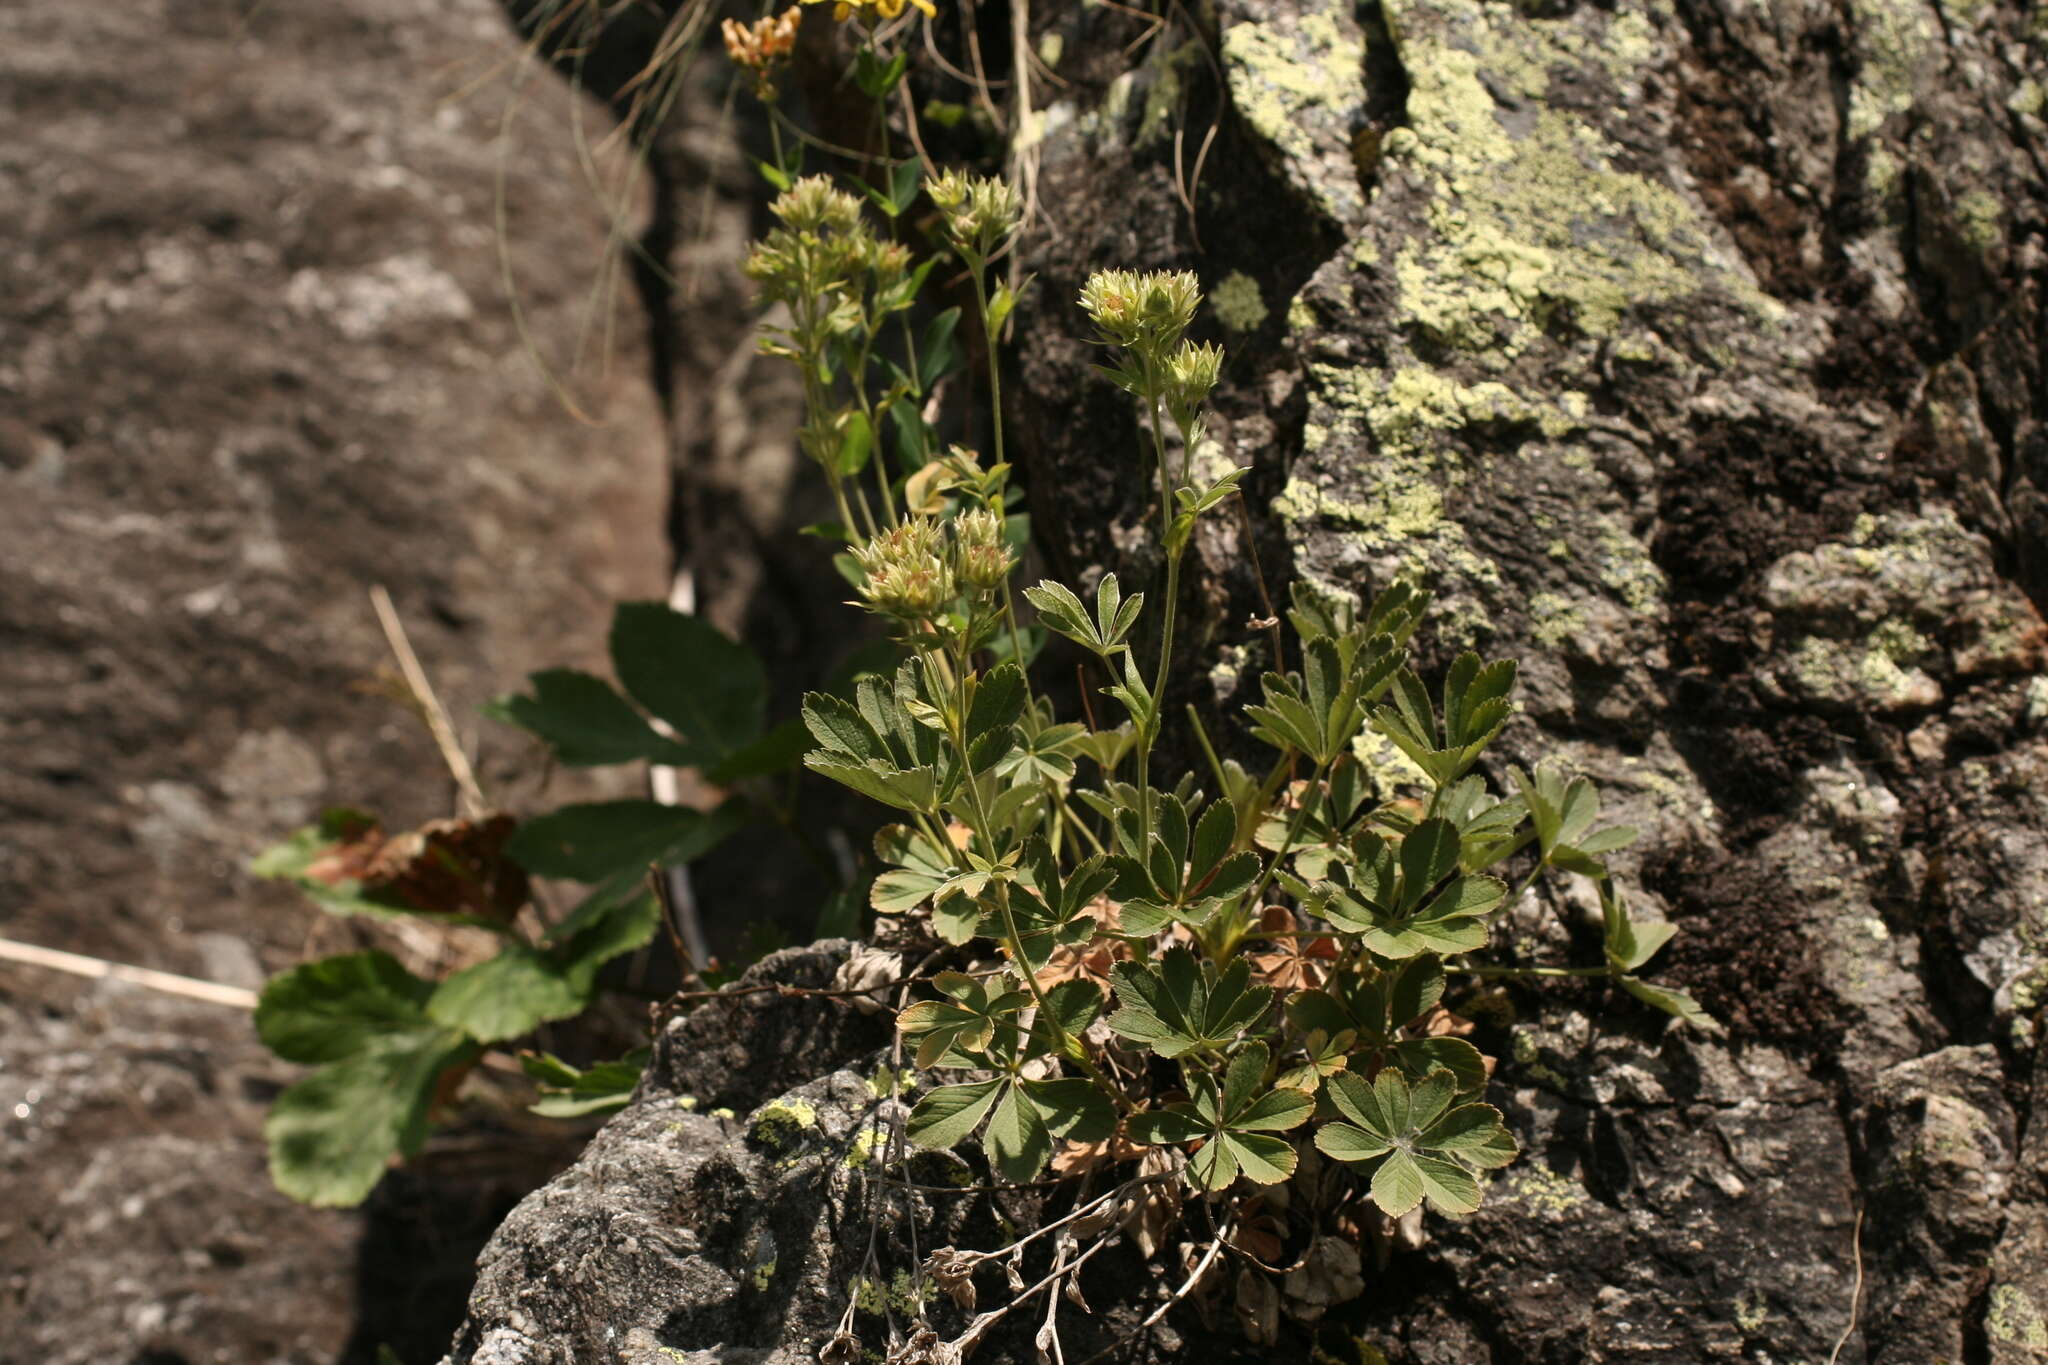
(1261,1159)
(335,1007)
(1018,1142)
(332,1134)
(946,1116)
(1675,1003)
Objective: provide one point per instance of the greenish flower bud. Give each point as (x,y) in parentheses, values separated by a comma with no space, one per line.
(1146,313)
(907,573)
(813,205)
(984,560)
(981,212)
(1190,374)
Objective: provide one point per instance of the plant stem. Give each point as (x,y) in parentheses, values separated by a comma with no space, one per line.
(1294,828)
(1510,972)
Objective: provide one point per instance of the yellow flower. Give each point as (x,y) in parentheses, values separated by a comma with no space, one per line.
(842,10)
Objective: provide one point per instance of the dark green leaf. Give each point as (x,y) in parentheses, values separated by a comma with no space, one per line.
(589,843)
(332,1134)
(585,722)
(711,691)
(334,1007)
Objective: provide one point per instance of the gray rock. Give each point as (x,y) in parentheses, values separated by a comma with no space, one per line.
(256,354)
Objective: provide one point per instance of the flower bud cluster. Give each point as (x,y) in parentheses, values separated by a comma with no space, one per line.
(916,571)
(1145,313)
(981,212)
(822,246)
(875,11)
(1191,372)
(983,559)
(908,574)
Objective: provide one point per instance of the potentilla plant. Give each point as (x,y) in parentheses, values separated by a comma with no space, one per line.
(1203,977)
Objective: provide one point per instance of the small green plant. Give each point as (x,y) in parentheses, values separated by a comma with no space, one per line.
(1281,940)
(389,1045)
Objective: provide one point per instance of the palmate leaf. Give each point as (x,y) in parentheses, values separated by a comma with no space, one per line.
(1476,706)
(1317,711)
(1563,813)
(918,867)
(1426,1143)
(1380,1009)
(1380,896)
(1024,1118)
(1235,1122)
(1182,1006)
(966,1018)
(1063,613)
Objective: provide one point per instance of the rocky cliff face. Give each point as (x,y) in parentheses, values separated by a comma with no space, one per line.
(256,354)
(1694,354)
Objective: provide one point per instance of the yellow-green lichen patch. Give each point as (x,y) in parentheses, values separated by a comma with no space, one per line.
(1299,85)
(1876,672)
(1534,226)
(1626,569)
(779,1123)
(1553,619)
(1892,38)
(1167,91)
(1238,304)
(866,1143)
(1980,218)
(1394,453)
(2028,97)
(1543,1189)
(900,1295)
(2013,1320)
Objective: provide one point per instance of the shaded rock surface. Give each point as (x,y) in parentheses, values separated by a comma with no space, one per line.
(256,354)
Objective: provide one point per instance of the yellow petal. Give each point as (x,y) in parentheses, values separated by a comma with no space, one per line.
(930,10)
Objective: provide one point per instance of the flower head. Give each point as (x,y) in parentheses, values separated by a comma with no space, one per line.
(875,11)
(762,46)
(1191,372)
(1146,313)
(982,558)
(981,211)
(907,573)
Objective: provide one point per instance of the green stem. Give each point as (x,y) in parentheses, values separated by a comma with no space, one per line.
(1294,828)
(1511,972)
(995,375)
